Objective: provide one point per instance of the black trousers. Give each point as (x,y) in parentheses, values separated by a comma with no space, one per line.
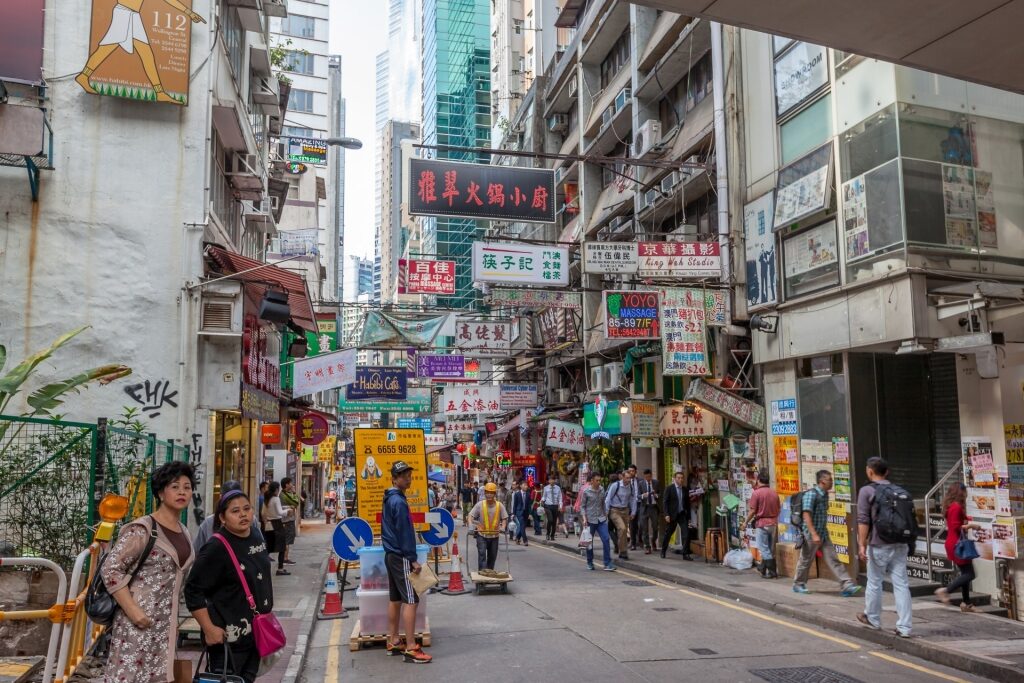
(634,526)
(550,520)
(963,581)
(486,551)
(648,525)
(682,520)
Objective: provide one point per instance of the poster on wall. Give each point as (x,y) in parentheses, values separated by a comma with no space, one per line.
(979,463)
(959,206)
(632,315)
(1004,539)
(1014,435)
(983,539)
(684,345)
(809,251)
(759,247)
(985,202)
(839,530)
(784,417)
(787,465)
(855,218)
(841,469)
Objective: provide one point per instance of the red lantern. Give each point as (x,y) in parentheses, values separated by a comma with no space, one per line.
(461,448)
(465,463)
(472,449)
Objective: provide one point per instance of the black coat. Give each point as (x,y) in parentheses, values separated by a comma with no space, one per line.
(521,503)
(670,501)
(642,488)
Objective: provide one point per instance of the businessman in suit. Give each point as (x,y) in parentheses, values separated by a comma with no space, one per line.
(676,509)
(521,503)
(647,502)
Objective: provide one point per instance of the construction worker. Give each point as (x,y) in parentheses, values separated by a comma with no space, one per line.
(489,518)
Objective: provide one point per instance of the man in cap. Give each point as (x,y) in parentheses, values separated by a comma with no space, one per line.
(205,532)
(399,540)
(489,518)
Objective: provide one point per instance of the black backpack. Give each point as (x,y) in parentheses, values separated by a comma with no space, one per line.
(796,509)
(892,514)
(100,604)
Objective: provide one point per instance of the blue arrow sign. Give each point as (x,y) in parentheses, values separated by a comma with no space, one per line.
(350,535)
(442,526)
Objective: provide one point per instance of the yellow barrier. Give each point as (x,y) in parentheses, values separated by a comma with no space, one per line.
(77,632)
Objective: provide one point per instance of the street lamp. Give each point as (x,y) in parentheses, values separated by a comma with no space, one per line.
(347,143)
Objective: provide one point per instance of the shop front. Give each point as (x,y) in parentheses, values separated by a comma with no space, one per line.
(607,426)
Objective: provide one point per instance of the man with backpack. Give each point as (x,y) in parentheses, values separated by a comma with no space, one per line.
(886,533)
(813,513)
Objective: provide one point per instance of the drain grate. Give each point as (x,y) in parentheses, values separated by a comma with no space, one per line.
(638,583)
(803,674)
(665,609)
(703,651)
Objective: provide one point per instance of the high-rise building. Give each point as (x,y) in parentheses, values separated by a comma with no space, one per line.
(396,224)
(404,61)
(303,36)
(358,277)
(380,118)
(456,103)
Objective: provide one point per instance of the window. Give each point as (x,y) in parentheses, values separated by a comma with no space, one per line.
(780,43)
(807,130)
(804,187)
(301,100)
(698,82)
(517,26)
(234,40)
(300,26)
(616,59)
(869,144)
(300,62)
(296,132)
(800,72)
(872,213)
(811,260)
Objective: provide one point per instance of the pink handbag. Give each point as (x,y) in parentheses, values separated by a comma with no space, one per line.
(266,629)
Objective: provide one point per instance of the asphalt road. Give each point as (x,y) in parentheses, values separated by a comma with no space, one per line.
(563,622)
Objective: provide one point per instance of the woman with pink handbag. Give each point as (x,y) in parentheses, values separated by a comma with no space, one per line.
(230,593)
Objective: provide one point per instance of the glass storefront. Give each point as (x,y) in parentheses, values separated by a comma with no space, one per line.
(235,441)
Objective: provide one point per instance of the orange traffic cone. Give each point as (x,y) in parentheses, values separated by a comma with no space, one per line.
(332,608)
(455,585)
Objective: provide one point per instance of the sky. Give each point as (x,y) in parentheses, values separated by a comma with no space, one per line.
(359,30)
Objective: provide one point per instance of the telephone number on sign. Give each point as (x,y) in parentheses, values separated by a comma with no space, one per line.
(391,450)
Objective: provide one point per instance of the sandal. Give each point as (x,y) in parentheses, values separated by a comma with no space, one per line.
(967,607)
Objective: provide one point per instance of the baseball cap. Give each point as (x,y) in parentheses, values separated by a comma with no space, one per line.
(399,467)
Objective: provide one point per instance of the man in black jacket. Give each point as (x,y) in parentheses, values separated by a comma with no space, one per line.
(521,511)
(647,502)
(676,508)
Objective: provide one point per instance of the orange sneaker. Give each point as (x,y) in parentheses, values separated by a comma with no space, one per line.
(416,655)
(395,648)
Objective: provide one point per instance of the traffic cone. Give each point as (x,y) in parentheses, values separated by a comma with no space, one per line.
(455,585)
(332,608)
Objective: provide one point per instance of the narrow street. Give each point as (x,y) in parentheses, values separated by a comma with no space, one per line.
(560,621)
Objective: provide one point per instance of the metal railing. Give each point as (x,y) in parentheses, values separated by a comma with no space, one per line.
(928,513)
(55,613)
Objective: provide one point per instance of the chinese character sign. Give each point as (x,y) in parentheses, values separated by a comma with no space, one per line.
(684,334)
(645,419)
(426,277)
(535,298)
(323,372)
(680,259)
(324,340)
(481,191)
(521,264)
(456,427)
(435,366)
(689,421)
(483,337)
(311,429)
(610,257)
(632,315)
(473,399)
(565,435)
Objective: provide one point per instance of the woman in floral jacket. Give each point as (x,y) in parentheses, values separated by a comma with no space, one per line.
(145,629)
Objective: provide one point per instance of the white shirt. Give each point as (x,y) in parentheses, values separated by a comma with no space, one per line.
(552,495)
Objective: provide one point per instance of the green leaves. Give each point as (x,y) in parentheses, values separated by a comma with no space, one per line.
(47,398)
(10,384)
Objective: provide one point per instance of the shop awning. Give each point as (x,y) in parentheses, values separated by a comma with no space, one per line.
(505,428)
(730,406)
(555,415)
(256,272)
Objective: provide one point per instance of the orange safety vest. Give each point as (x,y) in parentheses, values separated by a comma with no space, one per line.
(489,523)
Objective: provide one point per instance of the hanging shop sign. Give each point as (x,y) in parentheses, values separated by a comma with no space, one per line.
(518,396)
(784,417)
(417,401)
(311,429)
(324,340)
(326,450)
(416,276)
(535,298)
(739,410)
(481,191)
(684,343)
(759,247)
(270,434)
(565,435)
(376,450)
(308,150)
(377,382)
(691,420)
(631,315)
(557,328)
(472,399)
(483,337)
(457,429)
(324,372)
(424,423)
(645,419)
(679,259)
(610,257)
(435,366)
(143,58)
(520,264)
(259,405)
(260,368)
(604,419)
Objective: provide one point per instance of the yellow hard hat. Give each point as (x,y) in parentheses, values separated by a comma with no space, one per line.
(490,487)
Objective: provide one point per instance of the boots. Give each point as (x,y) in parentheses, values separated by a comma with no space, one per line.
(768,570)
(762,569)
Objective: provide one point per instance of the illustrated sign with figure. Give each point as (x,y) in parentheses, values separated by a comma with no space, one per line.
(501,193)
(376,450)
(759,248)
(140,53)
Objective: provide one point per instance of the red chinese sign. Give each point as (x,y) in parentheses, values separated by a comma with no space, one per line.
(259,369)
(565,435)
(311,429)
(481,191)
(426,277)
(680,259)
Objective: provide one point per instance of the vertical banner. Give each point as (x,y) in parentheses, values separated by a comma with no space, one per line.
(684,343)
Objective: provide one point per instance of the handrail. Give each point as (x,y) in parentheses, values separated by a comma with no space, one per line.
(928,513)
(76,622)
(55,613)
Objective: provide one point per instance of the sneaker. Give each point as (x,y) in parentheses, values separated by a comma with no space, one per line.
(850,590)
(609,567)
(393,649)
(590,566)
(800,588)
(417,656)
(901,634)
(863,618)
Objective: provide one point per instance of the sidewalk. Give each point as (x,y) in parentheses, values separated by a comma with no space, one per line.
(980,644)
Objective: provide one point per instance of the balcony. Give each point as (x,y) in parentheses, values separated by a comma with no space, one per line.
(601,34)
(26,141)
(689,47)
(666,31)
(605,100)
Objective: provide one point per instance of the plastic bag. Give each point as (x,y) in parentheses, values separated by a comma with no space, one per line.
(738,559)
(586,539)
(513,526)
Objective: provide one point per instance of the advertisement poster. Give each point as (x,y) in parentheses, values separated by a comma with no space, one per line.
(787,465)
(986,204)
(610,257)
(483,337)
(958,203)
(140,55)
(377,382)
(632,315)
(811,250)
(983,539)
(684,345)
(803,187)
(1014,435)
(841,469)
(855,218)
(471,399)
(645,419)
(307,150)
(520,264)
(838,530)
(979,464)
(680,259)
(376,450)
(1004,539)
(784,417)
(565,435)
(417,276)
(759,247)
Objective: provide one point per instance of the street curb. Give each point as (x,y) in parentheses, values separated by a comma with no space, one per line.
(298,658)
(972,664)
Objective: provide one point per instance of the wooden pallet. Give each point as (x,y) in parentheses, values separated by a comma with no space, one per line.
(357,640)
(481,582)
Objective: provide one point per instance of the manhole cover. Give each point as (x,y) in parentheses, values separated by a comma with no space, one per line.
(664,609)
(702,651)
(803,674)
(638,583)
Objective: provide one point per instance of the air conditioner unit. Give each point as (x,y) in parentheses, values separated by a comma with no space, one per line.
(597,378)
(668,182)
(651,196)
(622,98)
(558,122)
(244,164)
(646,138)
(612,376)
(644,204)
(573,85)
(563,395)
(221,310)
(606,117)
(686,232)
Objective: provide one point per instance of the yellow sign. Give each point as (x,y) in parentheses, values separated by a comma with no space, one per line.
(838,530)
(141,53)
(325,451)
(376,451)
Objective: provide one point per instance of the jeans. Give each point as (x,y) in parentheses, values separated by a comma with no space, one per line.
(765,541)
(620,518)
(963,581)
(536,521)
(828,552)
(551,520)
(889,559)
(521,526)
(600,529)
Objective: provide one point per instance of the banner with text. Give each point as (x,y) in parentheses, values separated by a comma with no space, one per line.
(323,372)
(481,191)
(520,264)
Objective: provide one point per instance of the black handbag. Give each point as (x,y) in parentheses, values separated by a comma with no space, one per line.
(100,605)
(212,676)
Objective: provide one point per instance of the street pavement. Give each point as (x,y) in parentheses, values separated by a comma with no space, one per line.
(561,621)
